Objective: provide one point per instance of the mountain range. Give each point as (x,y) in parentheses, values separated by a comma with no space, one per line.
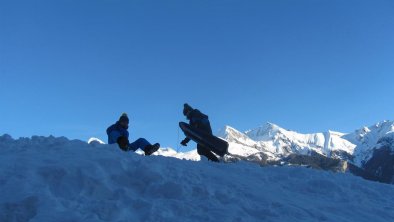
(368,151)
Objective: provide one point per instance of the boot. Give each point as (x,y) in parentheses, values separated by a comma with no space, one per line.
(149,149)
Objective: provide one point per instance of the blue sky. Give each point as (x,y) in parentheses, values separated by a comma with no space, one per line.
(70,68)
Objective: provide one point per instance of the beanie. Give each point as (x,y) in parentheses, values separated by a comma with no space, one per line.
(124,118)
(186,109)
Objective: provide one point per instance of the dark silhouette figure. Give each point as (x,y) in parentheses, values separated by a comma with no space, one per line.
(200,121)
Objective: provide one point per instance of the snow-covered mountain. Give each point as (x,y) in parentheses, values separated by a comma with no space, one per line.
(367,139)
(55,179)
(277,142)
(367,152)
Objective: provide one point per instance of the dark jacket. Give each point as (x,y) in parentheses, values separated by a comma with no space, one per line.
(115,131)
(199,120)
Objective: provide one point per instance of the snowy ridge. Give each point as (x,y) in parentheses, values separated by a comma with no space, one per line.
(232,135)
(277,142)
(55,179)
(281,141)
(367,138)
(240,144)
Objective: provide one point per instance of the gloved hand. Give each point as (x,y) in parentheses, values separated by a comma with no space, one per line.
(184,142)
(123,143)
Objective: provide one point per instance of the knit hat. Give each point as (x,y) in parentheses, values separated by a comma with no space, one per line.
(124,118)
(186,109)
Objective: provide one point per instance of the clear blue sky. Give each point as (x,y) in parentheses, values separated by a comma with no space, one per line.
(70,68)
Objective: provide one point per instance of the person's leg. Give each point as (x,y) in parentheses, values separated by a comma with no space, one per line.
(141,143)
(202,150)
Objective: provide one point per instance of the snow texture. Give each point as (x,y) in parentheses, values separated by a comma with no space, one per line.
(55,179)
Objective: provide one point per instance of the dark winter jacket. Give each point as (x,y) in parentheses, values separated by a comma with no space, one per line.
(199,120)
(115,131)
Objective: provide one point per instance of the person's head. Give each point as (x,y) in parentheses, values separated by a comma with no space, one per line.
(187,109)
(124,120)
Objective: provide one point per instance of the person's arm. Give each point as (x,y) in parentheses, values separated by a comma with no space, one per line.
(185,141)
(113,136)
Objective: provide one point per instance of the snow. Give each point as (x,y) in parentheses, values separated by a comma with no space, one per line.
(55,179)
(239,143)
(277,142)
(275,138)
(232,135)
(366,139)
(95,141)
(168,152)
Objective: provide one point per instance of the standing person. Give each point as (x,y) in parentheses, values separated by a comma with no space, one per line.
(200,121)
(118,133)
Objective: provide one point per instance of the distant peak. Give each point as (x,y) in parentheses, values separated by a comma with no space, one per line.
(268,126)
(382,126)
(227,130)
(384,123)
(227,127)
(267,130)
(273,126)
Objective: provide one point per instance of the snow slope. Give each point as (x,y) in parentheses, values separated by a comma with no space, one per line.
(54,179)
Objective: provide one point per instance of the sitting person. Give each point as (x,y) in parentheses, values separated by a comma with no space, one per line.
(118,133)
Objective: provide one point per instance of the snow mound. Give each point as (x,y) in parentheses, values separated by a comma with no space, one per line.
(55,179)
(95,141)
